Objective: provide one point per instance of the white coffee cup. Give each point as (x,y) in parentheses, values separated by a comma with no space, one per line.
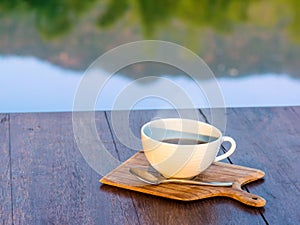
(183,159)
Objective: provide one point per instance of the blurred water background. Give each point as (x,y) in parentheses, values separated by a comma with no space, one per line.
(252,47)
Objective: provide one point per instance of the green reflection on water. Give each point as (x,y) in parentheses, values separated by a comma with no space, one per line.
(52,18)
(56,17)
(249,36)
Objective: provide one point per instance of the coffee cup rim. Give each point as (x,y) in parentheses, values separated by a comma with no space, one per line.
(182,119)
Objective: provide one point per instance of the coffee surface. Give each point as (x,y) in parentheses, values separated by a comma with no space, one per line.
(183,141)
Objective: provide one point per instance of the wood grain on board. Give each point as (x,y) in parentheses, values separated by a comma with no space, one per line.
(222,172)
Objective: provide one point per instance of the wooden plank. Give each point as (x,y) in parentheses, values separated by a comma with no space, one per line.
(5,182)
(268,139)
(52,183)
(157,210)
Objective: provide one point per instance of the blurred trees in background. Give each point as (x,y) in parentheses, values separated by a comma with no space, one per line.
(73,33)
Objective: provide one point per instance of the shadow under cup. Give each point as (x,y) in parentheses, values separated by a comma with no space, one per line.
(182,148)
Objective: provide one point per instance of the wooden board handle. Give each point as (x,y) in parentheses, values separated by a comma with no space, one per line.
(247,198)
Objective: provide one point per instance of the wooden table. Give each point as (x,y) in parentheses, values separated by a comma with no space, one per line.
(45,180)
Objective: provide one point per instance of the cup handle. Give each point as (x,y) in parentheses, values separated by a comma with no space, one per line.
(230,151)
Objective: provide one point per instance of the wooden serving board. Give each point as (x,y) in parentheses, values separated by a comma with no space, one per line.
(121,177)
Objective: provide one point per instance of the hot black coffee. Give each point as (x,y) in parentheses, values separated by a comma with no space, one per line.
(183,141)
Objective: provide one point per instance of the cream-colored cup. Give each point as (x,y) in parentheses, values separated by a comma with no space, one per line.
(182,160)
